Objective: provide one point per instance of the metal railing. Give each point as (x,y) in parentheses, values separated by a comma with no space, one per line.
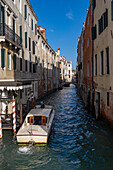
(9,34)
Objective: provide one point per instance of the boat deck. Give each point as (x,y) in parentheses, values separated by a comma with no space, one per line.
(33,130)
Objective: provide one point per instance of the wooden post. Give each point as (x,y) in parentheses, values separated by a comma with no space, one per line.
(21,114)
(14,116)
(28,94)
(32,96)
(0,127)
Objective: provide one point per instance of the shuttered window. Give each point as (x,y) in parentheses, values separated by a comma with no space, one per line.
(107,60)
(30,67)
(102,63)
(25,39)
(21,31)
(2,58)
(25,65)
(34,68)
(94,32)
(32,24)
(33,47)
(20,64)
(14,62)
(35,29)
(29,44)
(103,22)
(25,12)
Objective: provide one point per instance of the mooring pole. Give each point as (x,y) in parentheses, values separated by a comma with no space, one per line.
(14,115)
(0,126)
(32,96)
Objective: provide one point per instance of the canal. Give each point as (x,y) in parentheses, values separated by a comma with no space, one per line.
(77,140)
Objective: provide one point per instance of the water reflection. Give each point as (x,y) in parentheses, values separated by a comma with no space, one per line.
(77,140)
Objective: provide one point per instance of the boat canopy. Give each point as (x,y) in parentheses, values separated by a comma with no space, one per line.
(39,112)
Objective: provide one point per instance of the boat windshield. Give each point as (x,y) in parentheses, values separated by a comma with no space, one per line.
(37,120)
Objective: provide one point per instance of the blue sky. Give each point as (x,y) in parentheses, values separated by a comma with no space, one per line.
(63,20)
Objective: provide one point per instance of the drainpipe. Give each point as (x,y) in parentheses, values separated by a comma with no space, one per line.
(92,64)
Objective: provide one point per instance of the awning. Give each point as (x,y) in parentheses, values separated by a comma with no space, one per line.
(15,87)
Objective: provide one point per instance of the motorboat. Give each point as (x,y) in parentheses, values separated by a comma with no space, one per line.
(37,125)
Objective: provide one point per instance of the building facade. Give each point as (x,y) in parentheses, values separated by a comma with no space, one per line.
(66,70)
(103,52)
(80,62)
(97,59)
(27,61)
(87,58)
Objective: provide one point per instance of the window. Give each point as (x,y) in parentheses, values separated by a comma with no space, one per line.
(26,66)
(14,62)
(107,60)
(35,29)
(29,19)
(93,4)
(103,22)
(102,63)
(29,44)
(21,32)
(94,32)
(9,60)
(32,24)
(2,58)
(33,46)
(20,64)
(106,19)
(96,65)
(25,12)
(30,67)
(34,68)
(108,99)
(25,39)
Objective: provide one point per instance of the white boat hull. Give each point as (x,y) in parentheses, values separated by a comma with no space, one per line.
(35,139)
(39,134)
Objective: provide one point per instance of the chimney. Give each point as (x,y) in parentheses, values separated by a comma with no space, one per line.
(59,51)
(47,40)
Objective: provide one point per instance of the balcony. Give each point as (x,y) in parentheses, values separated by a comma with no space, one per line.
(8,35)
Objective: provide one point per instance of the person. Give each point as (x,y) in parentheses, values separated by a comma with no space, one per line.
(42,104)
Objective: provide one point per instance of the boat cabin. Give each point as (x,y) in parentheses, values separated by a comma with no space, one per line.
(37,120)
(38,117)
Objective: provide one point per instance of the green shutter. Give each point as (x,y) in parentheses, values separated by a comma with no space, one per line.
(25,10)
(2,58)
(35,29)
(8,59)
(25,39)
(21,31)
(32,23)
(14,62)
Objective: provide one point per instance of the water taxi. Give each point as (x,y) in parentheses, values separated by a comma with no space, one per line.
(37,125)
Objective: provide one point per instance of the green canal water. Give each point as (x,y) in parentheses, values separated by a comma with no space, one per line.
(77,140)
